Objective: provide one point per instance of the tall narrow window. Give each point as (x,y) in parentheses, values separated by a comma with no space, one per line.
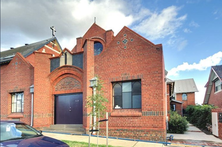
(65,58)
(217,85)
(184,97)
(17,102)
(98,48)
(127,95)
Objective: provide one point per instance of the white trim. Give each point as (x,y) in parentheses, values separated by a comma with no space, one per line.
(52,49)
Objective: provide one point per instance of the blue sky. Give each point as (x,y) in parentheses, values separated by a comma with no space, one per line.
(189,30)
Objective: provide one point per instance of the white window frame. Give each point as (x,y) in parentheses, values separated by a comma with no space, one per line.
(184,97)
(217,85)
(17,102)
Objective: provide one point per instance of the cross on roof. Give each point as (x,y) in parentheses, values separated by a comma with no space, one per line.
(53,30)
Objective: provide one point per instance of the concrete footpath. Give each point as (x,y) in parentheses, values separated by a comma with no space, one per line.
(102,141)
(113,142)
(195,136)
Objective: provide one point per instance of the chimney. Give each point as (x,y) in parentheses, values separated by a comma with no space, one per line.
(109,36)
(79,44)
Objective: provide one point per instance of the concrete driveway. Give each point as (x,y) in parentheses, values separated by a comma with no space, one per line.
(195,136)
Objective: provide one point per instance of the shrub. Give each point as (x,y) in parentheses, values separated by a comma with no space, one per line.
(177,123)
(199,115)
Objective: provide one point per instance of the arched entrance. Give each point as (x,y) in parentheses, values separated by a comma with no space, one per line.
(68,98)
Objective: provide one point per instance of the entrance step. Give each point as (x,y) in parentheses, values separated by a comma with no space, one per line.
(66,128)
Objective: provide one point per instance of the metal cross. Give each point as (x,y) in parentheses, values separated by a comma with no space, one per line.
(53,30)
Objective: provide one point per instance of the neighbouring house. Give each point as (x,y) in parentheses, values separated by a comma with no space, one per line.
(213,93)
(130,66)
(180,94)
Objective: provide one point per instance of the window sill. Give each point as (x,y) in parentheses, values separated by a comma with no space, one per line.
(126,113)
(217,91)
(16,115)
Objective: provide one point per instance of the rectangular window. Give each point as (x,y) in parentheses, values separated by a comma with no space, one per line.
(127,95)
(217,85)
(17,102)
(184,97)
(173,107)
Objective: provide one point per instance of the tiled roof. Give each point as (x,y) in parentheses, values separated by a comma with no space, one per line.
(25,50)
(218,70)
(184,86)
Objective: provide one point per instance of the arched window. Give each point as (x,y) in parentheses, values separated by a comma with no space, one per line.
(117,93)
(98,48)
(184,97)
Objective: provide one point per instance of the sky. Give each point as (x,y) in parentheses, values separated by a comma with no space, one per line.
(189,30)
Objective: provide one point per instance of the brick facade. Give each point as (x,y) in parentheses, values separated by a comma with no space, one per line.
(125,57)
(215,97)
(22,72)
(17,76)
(190,99)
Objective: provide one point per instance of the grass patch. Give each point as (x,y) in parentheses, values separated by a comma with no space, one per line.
(82,144)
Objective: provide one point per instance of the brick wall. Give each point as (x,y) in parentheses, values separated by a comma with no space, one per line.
(17,76)
(130,57)
(190,99)
(215,97)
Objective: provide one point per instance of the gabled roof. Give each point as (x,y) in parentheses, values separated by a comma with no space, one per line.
(215,72)
(26,50)
(169,80)
(218,71)
(185,86)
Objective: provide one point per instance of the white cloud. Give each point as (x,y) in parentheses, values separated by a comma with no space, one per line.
(177,42)
(202,65)
(194,24)
(199,96)
(187,30)
(159,25)
(71,19)
(182,45)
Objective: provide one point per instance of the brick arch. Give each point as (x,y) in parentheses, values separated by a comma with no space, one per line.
(66,79)
(99,39)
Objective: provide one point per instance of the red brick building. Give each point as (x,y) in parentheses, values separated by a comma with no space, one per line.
(130,66)
(213,93)
(21,68)
(180,94)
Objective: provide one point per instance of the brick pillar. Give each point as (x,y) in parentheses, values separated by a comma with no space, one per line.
(79,44)
(88,68)
(43,101)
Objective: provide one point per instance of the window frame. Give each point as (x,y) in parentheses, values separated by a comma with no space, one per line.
(184,98)
(173,107)
(132,93)
(18,101)
(217,85)
(95,47)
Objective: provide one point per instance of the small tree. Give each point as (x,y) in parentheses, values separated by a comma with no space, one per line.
(97,102)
